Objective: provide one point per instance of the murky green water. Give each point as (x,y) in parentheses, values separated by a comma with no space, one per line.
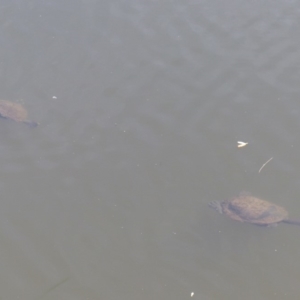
(141,105)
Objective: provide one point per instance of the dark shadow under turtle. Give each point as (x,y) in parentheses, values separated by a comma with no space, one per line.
(246,208)
(16,112)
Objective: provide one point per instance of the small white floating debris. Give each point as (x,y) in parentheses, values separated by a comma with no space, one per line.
(54,97)
(265,164)
(241,144)
(192,294)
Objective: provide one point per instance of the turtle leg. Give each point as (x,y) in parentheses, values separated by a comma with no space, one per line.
(216,205)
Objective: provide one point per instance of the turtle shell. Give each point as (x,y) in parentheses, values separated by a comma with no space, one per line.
(253,210)
(15,111)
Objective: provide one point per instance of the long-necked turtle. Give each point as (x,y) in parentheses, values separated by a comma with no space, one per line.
(246,208)
(15,111)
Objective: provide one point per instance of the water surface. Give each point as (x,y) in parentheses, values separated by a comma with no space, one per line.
(140,105)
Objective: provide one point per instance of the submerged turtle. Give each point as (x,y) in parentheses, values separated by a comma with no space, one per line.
(246,208)
(15,111)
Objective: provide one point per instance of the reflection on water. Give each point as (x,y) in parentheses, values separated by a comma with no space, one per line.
(140,106)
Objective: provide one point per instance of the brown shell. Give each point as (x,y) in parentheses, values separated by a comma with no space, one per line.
(14,111)
(253,210)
